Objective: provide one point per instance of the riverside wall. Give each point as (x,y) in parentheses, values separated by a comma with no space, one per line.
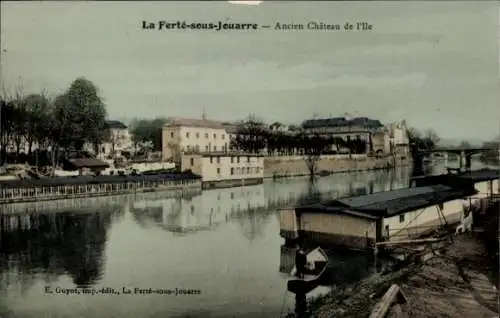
(290,166)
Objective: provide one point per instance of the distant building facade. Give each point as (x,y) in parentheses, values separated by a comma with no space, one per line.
(399,140)
(185,135)
(225,169)
(389,139)
(348,128)
(119,140)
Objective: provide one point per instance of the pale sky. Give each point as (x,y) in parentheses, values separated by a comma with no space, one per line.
(433,64)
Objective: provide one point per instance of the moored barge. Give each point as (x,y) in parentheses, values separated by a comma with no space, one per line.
(44,189)
(360,222)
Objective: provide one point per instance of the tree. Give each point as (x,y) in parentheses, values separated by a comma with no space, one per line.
(88,113)
(418,142)
(37,108)
(492,155)
(148,130)
(432,138)
(313,146)
(464,144)
(251,135)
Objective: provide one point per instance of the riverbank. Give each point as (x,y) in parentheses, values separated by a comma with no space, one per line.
(456,279)
(292,166)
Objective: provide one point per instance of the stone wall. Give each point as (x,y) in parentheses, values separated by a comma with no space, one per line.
(296,165)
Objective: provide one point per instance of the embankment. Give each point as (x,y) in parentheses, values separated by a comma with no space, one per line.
(290,166)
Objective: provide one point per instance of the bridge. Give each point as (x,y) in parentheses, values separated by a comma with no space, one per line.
(465,154)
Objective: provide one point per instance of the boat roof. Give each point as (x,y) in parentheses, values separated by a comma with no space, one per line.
(390,203)
(481,175)
(461,179)
(62,181)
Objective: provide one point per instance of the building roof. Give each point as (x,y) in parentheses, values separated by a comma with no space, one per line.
(88,163)
(192,122)
(341,122)
(115,124)
(391,203)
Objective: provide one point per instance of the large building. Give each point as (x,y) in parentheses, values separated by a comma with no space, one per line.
(392,138)
(185,135)
(347,128)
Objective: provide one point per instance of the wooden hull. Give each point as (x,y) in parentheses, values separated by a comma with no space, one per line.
(312,277)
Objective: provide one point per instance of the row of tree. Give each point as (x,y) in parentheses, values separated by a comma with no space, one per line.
(254,136)
(56,125)
(491,156)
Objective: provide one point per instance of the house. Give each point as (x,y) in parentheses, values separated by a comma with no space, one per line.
(86,166)
(225,169)
(360,221)
(118,141)
(185,135)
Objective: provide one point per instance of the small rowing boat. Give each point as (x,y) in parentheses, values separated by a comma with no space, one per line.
(317,264)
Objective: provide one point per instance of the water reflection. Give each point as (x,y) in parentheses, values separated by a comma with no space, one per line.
(161,240)
(51,245)
(253,206)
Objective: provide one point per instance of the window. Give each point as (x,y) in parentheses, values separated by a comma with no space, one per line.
(248,158)
(248,170)
(187,135)
(218,172)
(188,148)
(197,135)
(401,218)
(206,135)
(387,231)
(211,159)
(232,173)
(172,134)
(197,147)
(192,161)
(232,159)
(238,159)
(223,136)
(218,159)
(215,148)
(215,136)
(206,148)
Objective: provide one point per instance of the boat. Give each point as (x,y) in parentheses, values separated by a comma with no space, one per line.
(324,173)
(317,265)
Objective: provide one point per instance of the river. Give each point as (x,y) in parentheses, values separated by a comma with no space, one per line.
(223,244)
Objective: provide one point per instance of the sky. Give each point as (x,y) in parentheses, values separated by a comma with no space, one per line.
(434,64)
